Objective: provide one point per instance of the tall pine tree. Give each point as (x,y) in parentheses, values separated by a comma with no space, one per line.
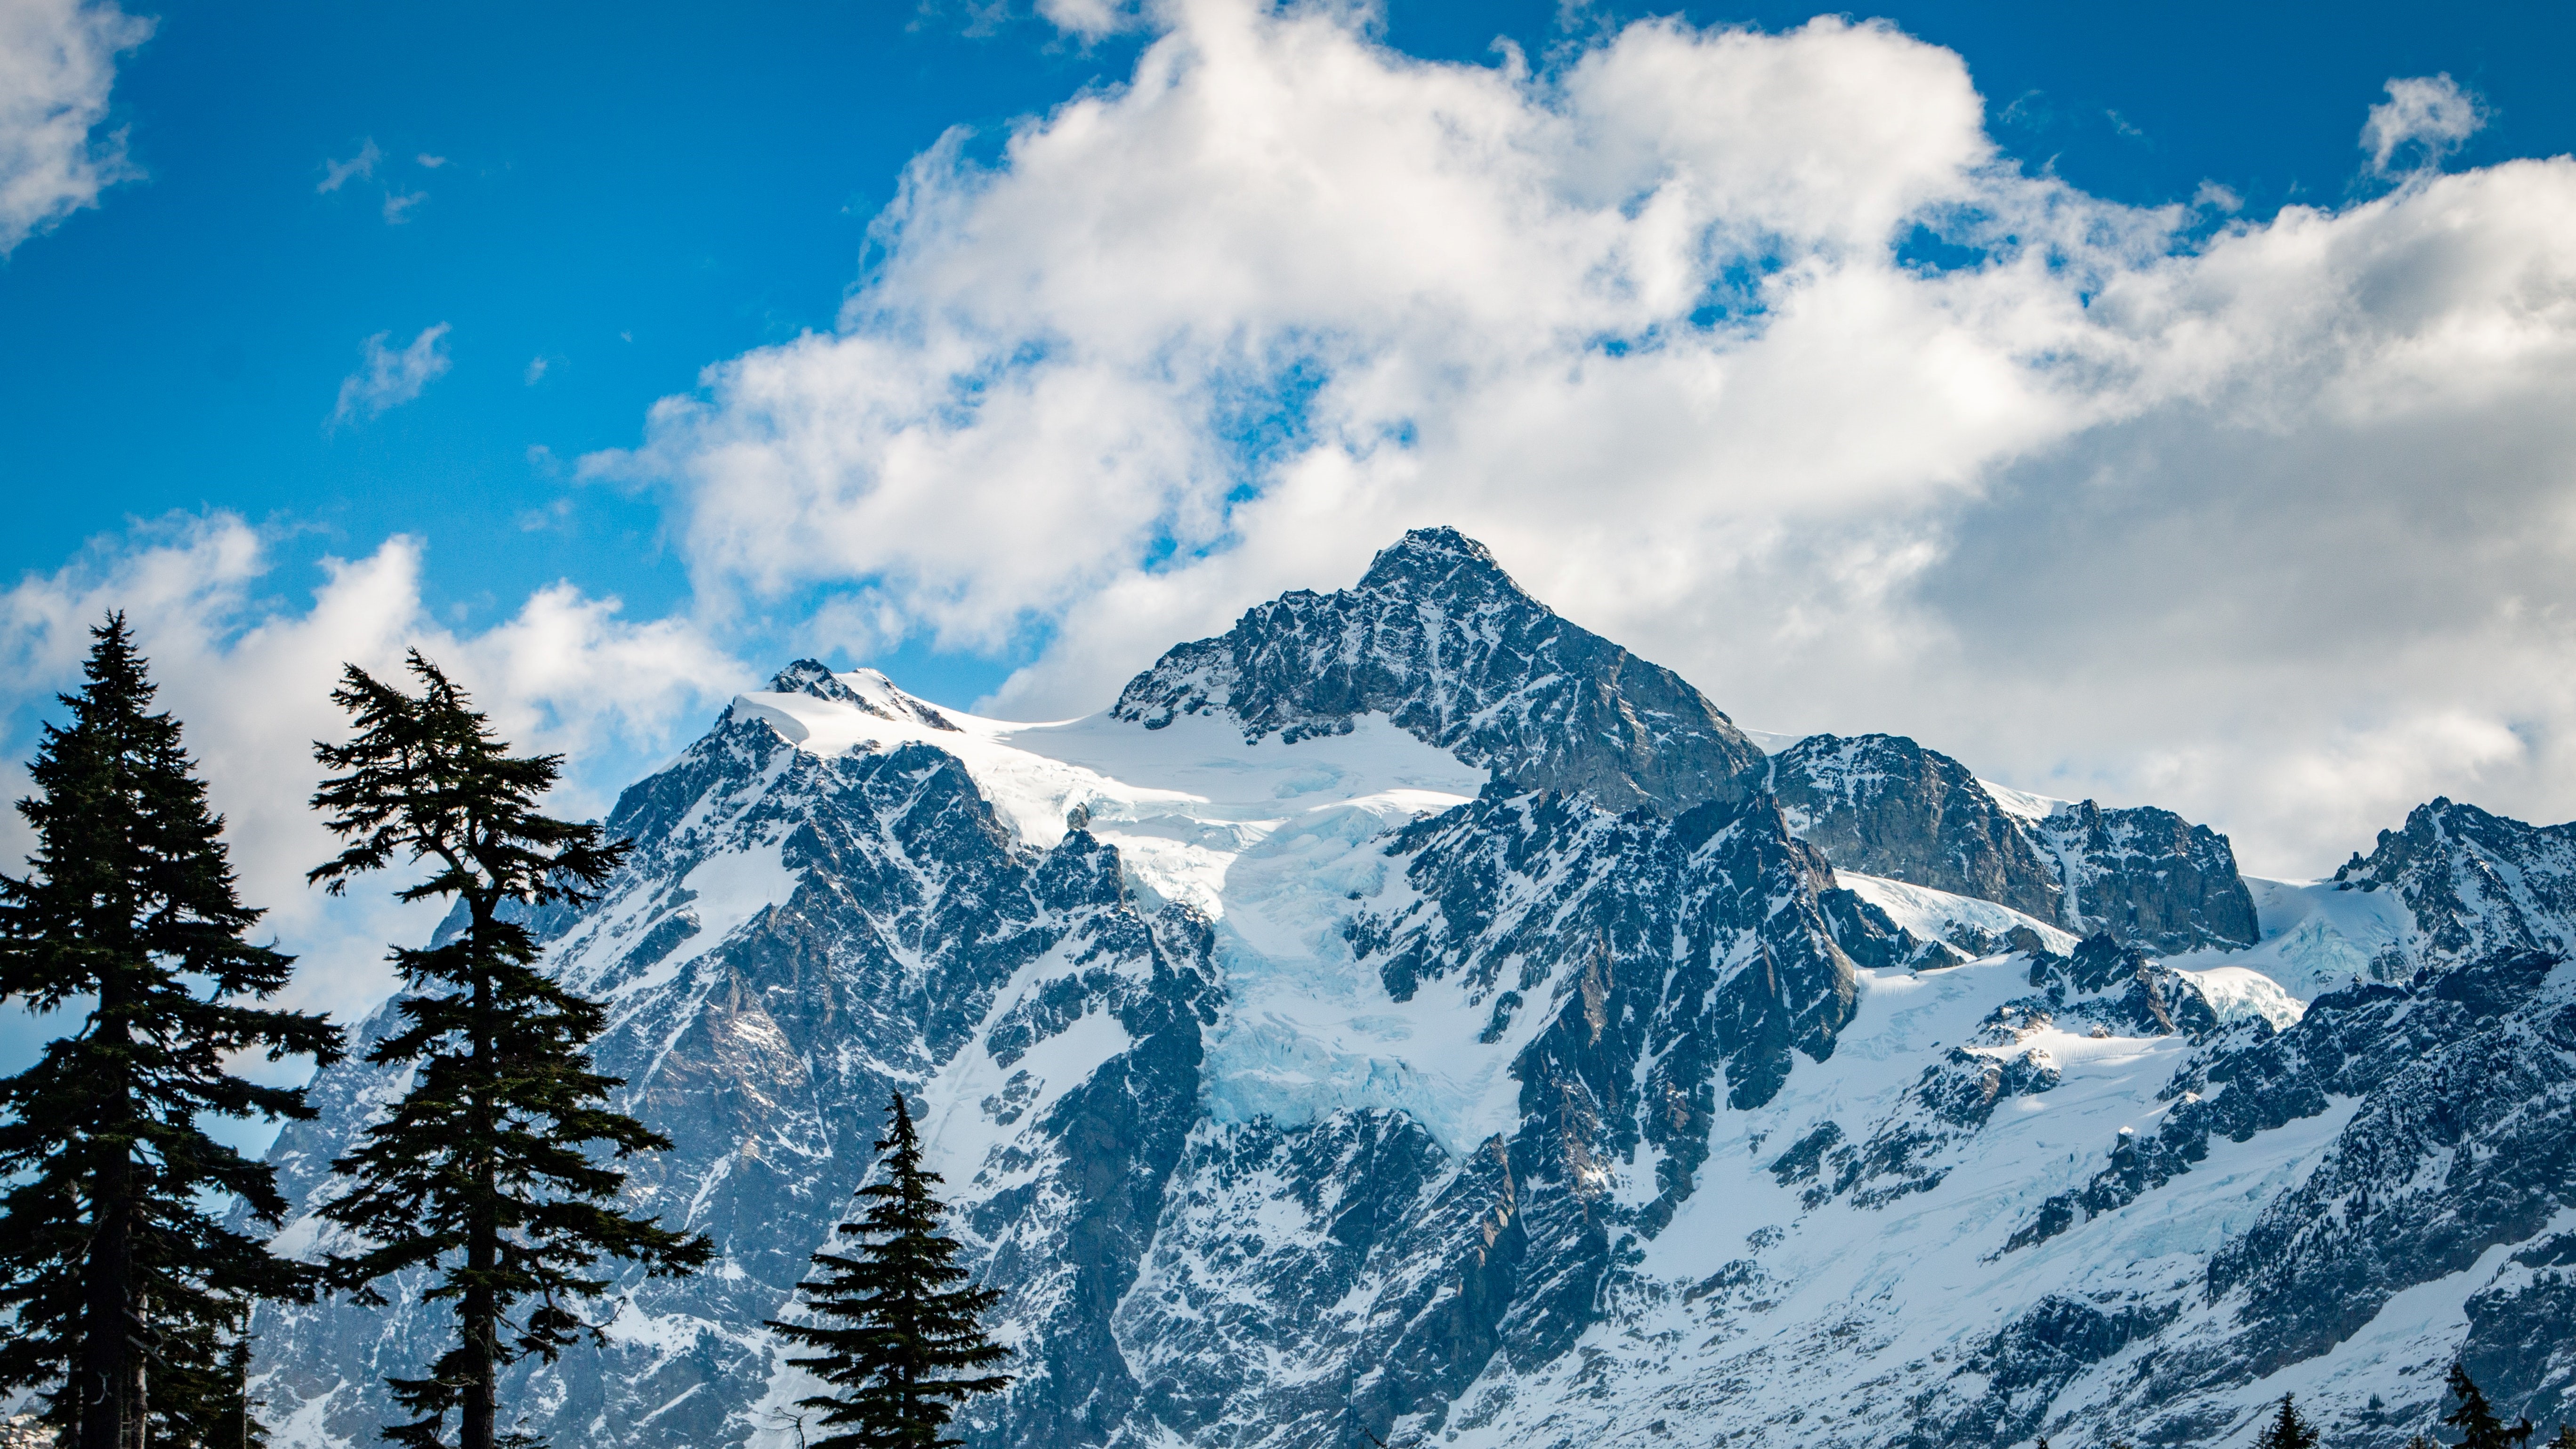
(900,1336)
(487,1173)
(118,1275)
(2287,1430)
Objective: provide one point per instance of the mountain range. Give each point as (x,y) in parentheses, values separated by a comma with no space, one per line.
(1411,1018)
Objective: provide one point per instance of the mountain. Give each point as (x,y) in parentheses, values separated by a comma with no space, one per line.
(1410,1017)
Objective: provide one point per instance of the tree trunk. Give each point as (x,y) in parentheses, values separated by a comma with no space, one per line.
(480,1311)
(107,1354)
(108,1328)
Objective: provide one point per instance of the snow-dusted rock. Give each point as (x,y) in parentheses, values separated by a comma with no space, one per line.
(1437,638)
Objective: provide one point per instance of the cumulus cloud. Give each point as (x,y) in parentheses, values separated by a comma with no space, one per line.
(2268,525)
(2429,114)
(250,673)
(388,378)
(57,64)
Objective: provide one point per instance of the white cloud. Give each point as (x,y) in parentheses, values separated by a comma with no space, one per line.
(388,379)
(2430,113)
(336,174)
(1093,19)
(430,162)
(250,675)
(57,64)
(398,207)
(2268,526)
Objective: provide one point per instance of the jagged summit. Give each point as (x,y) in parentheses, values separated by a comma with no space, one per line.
(1440,640)
(1436,560)
(864,689)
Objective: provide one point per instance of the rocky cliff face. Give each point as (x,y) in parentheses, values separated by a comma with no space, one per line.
(1883,805)
(2473,883)
(2149,877)
(1411,1019)
(1440,640)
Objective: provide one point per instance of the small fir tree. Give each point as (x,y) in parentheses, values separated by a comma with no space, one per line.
(2287,1430)
(2479,1427)
(2566,1437)
(900,1335)
(116,1267)
(486,1174)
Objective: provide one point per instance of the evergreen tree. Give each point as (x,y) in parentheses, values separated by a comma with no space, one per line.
(487,1173)
(2566,1437)
(2287,1430)
(115,1263)
(901,1334)
(2479,1427)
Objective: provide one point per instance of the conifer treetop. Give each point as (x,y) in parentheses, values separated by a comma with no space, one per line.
(426,779)
(2476,1419)
(2287,1430)
(113,1233)
(899,1336)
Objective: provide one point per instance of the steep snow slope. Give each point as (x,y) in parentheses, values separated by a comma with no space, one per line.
(1313,1065)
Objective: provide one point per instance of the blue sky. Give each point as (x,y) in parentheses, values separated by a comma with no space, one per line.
(629,194)
(2160,404)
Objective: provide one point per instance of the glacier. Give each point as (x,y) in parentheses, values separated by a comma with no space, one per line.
(1410,1018)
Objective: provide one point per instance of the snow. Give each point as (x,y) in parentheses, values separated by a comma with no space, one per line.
(1274,843)
(1930,914)
(2316,937)
(2022,803)
(2240,992)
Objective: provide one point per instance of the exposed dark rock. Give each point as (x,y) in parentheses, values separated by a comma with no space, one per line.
(1883,805)
(2148,877)
(2478,884)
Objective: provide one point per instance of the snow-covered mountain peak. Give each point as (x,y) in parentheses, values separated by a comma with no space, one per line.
(866,690)
(1446,566)
(1321,1049)
(1438,639)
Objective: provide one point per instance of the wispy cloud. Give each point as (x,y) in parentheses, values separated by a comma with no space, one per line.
(430,162)
(2428,113)
(388,378)
(57,64)
(336,174)
(398,208)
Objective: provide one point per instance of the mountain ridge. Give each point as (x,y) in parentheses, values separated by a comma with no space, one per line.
(1321,1048)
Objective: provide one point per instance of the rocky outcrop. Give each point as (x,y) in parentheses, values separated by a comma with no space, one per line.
(2475,883)
(1439,639)
(1884,805)
(2148,877)
(2461,1138)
